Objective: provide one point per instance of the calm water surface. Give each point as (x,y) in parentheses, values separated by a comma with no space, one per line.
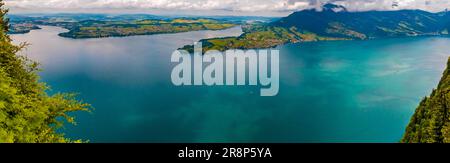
(343,91)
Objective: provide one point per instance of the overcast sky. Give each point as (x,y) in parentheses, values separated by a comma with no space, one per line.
(213,7)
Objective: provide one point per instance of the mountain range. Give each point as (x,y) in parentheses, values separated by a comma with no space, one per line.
(334,22)
(431,120)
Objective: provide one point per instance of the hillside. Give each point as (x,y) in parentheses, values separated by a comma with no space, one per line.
(112,25)
(431,121)
(334,22)
(27,113)
(96,29)
(96,26)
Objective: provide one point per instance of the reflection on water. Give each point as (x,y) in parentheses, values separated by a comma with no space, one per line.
(343,91)
(114,59)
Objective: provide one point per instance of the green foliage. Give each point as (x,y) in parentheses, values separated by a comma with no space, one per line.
(27,113)
(311,25)
(259,36)
(431,121)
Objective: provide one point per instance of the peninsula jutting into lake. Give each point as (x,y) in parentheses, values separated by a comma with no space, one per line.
(349,71)
(97,26)
(334,22)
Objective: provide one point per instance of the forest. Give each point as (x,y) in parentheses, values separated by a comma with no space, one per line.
(27,113)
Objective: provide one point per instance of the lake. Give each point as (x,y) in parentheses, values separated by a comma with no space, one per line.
(339,91)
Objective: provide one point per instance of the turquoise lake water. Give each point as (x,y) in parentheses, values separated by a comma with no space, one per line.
(341,91)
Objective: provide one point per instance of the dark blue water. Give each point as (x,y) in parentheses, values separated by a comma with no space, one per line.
(342,91)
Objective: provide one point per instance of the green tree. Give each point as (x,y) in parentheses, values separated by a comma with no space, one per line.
(431,121)
(27,113)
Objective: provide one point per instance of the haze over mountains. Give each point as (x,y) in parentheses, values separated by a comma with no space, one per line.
(214,7)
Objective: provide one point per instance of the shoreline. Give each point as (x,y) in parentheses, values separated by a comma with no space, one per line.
(186,47)
(119,36)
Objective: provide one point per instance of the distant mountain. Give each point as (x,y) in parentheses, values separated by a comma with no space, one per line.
(334,22)
(431,121)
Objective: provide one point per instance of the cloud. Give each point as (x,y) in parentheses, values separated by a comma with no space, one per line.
(226,5)
(364,5)
(234,5)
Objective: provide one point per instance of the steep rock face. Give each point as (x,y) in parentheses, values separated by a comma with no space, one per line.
(431,121)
